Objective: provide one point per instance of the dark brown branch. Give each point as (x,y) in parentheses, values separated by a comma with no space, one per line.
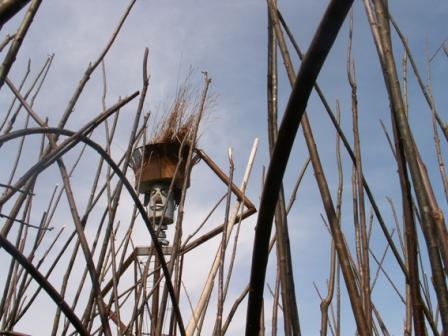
(213,166)
(18,39)
(130,190)
(216,231)
(358,188)
(413,160)
(426,94)
(51,291)
(284,259)
(9,8)
(8,38)
(338,236)
(65,146)
(351,153)
(318,51)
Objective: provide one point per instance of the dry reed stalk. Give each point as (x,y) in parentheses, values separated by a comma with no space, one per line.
(394,286)
(93,271)
(359,190)
(195,232)
(44,284)
(436,210)
(217,330)
(275,303)
(139,307)
(84,219)
(43,71)
(440,159)
(123,264)
(300,176)
(199,311)
(44,256)
(290,315)
(117,171)
(232,258)
(246,291)
(17,41)
(75,217)
(322,299)
(8,38)
(189,301)
(234,307)
(118,189)
(369,194)
(60,150)
(349,150)
(174,262)
(22,83)
(23,276)
(38,81)
(312,63)
(6,290)
(176,126)
(216,231)
(381,261)
(10,303)
(425,90)
(178,280)
(326,302)
(389,141)
(412,158)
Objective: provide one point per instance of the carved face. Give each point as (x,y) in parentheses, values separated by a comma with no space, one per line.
(158,201)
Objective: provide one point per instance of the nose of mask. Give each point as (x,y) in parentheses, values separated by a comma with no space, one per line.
(158,199)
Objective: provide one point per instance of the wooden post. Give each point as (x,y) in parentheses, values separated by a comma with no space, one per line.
(155,295)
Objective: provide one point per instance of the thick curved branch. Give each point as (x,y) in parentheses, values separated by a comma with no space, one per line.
(318,51)
(127,185)
(65,146)
(40,279)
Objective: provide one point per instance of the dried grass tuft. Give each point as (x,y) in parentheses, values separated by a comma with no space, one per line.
(177,124)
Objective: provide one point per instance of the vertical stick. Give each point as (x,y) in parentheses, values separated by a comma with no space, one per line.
(221,295)
(155,296)
(294,114)
(178,229)
(290,310)
(411,153)
(18,39)
(364,244)
(205,294)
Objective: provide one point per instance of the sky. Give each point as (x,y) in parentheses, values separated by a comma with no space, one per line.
(228,39)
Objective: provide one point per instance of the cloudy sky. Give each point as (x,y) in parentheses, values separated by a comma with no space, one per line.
(228,39)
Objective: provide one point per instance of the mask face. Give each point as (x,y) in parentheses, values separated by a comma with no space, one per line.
(158,201)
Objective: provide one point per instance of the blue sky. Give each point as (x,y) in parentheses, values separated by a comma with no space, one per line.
(228,39)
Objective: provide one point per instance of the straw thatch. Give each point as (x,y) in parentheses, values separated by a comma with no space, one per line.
(177,124)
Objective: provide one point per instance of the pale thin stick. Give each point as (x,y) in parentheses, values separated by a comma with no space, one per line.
(200,306)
